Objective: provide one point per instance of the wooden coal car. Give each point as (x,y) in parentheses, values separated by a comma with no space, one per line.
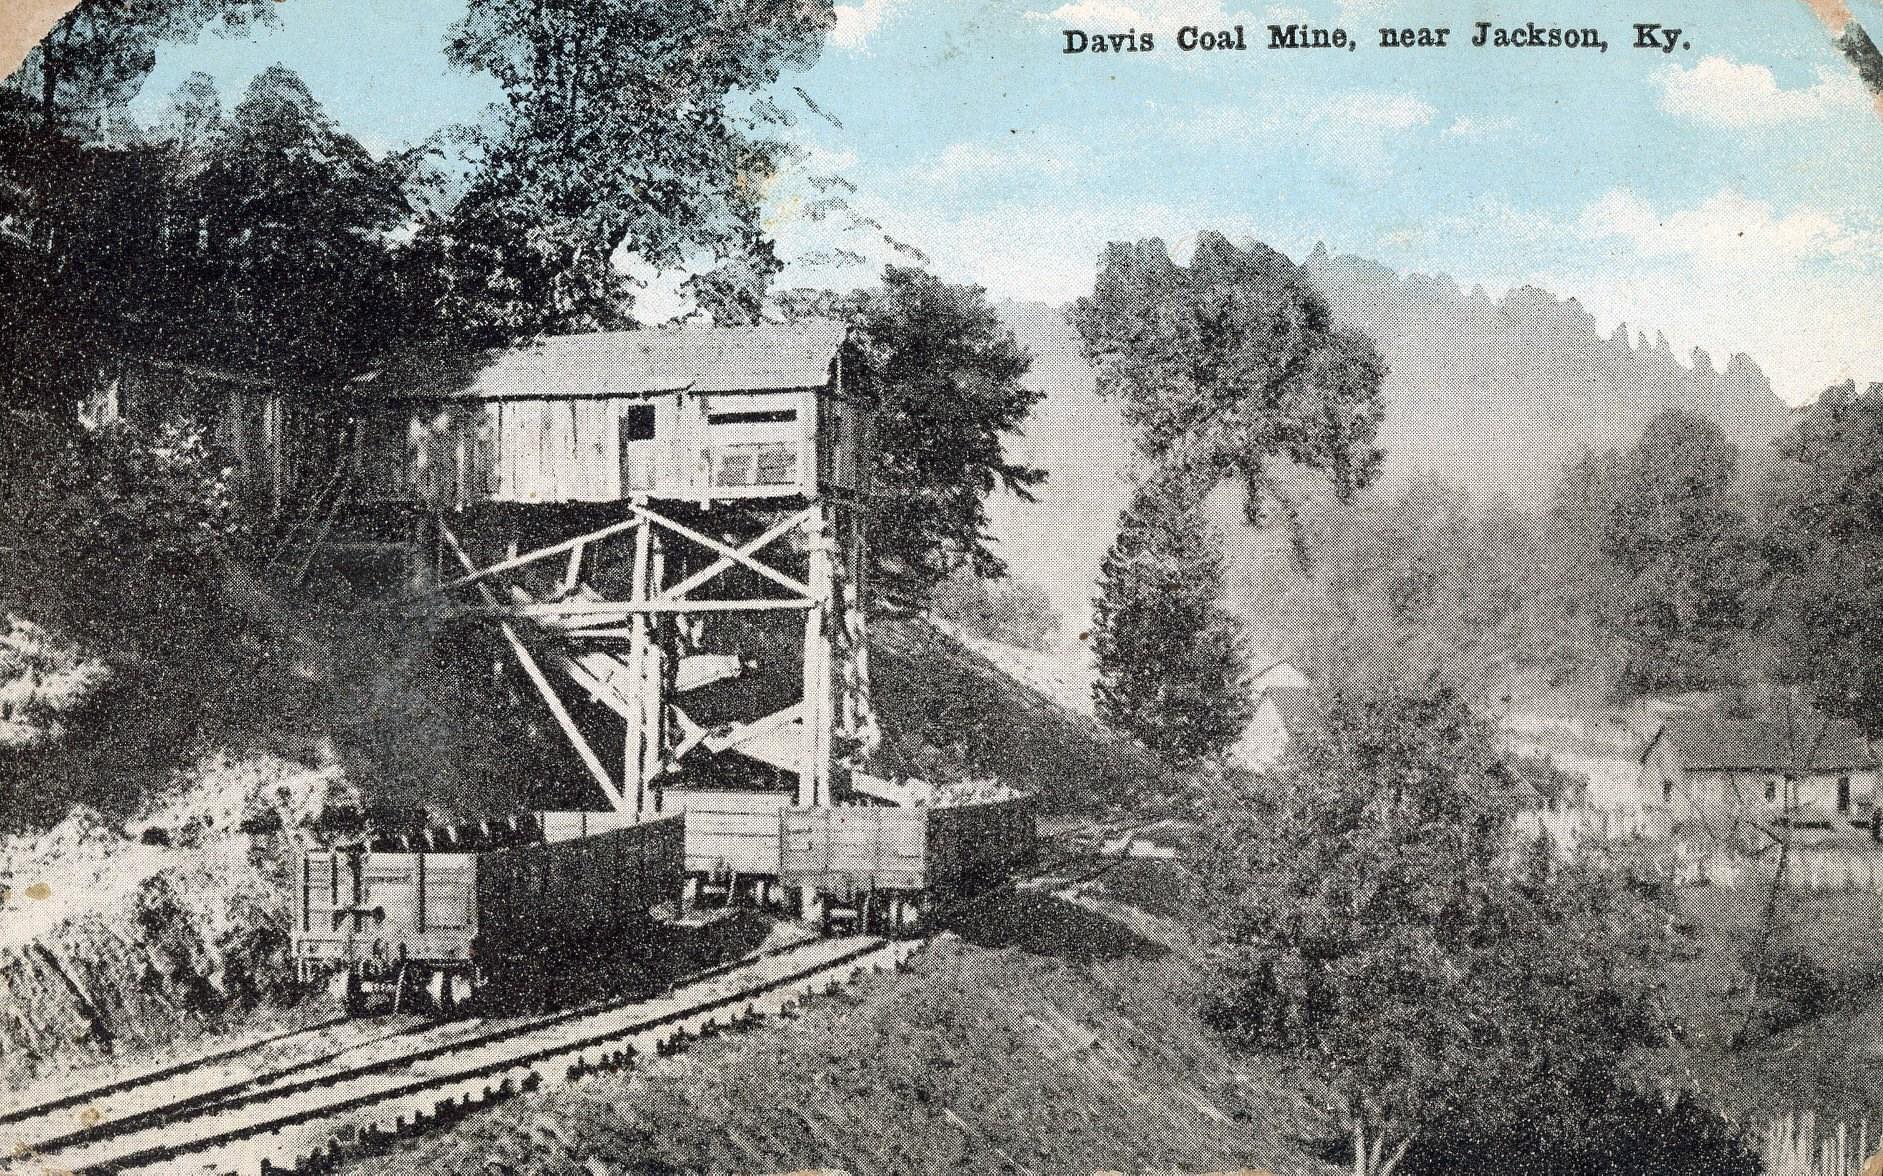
(881,867)
(445,923)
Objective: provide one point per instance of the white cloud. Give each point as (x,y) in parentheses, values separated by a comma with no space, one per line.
(959,163)
(857,23)
(1721,92)
(1728,230)
(1467,126)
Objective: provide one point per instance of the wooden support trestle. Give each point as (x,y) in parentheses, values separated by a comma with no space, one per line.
(663,625)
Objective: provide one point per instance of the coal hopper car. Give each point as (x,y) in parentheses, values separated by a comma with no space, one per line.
(431,927)
(876,868)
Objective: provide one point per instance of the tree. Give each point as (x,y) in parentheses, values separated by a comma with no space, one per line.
(943,378)
(1433,585)
(1824,539)
(618,133)
(1230,363)
(97,56)
(285,239)
(1659,553)
(192,121)
(1172,669)
(1468,1004)
(123,538)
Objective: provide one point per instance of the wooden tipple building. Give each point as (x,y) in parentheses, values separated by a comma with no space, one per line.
(657,509)
(701,414)
(665,529)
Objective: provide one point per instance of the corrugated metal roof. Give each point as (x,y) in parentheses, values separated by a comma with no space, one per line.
(762,357)
(1708,743)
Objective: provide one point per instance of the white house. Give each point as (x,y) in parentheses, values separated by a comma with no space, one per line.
(1281,713)
(1816,770)
(1281,673)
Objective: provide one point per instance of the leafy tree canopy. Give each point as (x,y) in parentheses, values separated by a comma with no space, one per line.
(285,233)
(1432,585)
(619,133)
(1230,362)
(1470,1005)
(1660,552)
(1824,538)
(97,56)
(944,378)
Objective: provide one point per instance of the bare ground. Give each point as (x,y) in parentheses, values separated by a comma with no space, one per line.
(1043,1036)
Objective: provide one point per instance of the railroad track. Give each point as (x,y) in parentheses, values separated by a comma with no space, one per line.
(291,1099)
(300,1113)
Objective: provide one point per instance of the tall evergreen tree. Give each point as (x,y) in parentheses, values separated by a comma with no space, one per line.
(1225,367)
(1172,668)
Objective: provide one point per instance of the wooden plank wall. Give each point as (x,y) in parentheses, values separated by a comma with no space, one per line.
(456,454)
(557,450)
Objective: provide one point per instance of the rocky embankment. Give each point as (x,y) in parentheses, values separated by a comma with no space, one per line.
(116,940)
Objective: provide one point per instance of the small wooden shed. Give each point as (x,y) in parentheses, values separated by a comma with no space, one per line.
(685,413)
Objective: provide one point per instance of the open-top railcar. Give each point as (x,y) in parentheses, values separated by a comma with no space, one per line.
(446,923)
(883,867)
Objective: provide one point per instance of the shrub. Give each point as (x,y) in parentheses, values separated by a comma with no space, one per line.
(121,534)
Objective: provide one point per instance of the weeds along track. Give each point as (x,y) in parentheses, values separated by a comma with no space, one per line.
(296,1113)
(66,1117)
(289,1101)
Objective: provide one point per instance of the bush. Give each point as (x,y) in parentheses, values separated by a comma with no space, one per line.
(1012,612)
(120,534)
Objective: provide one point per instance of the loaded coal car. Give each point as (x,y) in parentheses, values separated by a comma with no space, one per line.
(880,868)
(430,925)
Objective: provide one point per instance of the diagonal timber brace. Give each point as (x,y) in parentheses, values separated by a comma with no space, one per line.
(726,550)
(574,547)
(541,681)
(777,532)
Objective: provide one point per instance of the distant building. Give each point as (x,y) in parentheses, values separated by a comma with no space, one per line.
(1282,712)
(1281,673)
(1817,770)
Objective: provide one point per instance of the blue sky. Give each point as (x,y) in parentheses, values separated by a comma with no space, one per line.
(1726,194)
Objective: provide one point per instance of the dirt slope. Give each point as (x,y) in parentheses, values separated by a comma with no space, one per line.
(110,946)
(949,712)
(1044,1038)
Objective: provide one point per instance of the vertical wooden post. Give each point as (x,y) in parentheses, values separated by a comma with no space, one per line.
(814,765)
(653,685)
(861,721)
(633,756)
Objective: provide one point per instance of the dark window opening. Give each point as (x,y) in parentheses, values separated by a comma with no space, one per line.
(1667,791)
(1771,790)
(637,423)
(780,416)
(1843,794)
